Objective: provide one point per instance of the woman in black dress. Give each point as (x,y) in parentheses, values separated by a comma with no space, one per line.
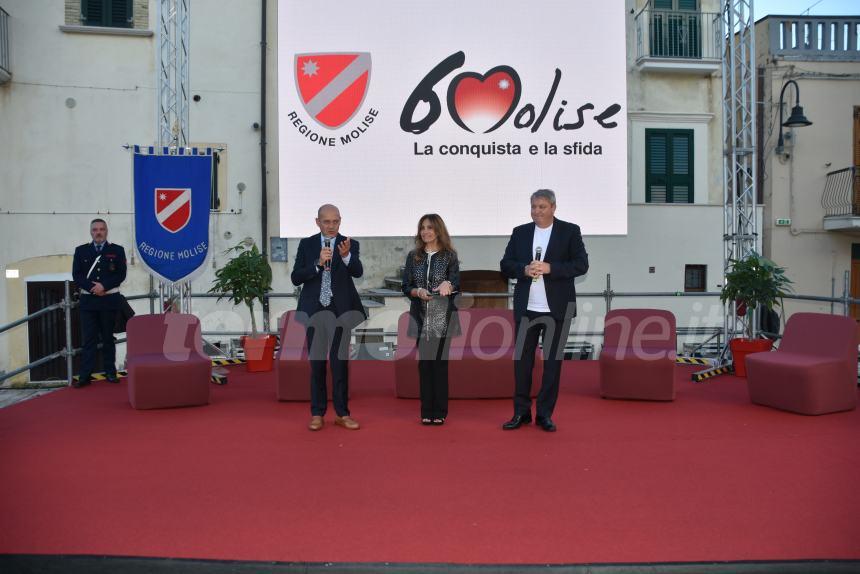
(431,276)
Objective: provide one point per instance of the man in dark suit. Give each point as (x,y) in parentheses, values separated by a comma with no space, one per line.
(325,266)
(544,257)
(98,269)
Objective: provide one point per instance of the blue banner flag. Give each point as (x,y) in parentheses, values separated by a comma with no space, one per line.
(171,214)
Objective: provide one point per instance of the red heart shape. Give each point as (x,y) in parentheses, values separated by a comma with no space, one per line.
(481,104)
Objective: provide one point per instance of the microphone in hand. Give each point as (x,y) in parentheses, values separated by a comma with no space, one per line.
(538,253)
(327,264)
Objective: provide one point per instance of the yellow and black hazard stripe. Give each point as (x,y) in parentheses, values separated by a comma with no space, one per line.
(691,361)
(226,362)
(700,376)
(102,376)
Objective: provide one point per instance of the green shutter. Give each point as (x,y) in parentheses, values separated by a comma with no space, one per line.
(120,13)
(112,13)
(676,4)
(669,166)
(656,166)
(93,12)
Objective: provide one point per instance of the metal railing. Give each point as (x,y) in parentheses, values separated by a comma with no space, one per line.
(608,295)
(841,190)
(677,34)
(5,67)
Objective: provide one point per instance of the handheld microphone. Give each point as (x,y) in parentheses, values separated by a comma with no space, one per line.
(327,265)
(538,253)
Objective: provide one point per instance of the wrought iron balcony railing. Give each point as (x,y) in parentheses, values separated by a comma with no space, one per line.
(841,195)
(677,34)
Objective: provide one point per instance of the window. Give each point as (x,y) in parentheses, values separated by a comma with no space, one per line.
(676,29)
(218,193)
(695,278)
(668,166)
(109,13)
(218,179)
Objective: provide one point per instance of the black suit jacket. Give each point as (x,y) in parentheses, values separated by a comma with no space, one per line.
(110,271)
(308,275)
(567,257)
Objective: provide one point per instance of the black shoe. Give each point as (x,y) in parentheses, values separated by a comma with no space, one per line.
(81,383)
(517,421)
(545,423)
(112,379)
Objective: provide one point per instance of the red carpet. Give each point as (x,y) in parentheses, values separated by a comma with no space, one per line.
(709,477)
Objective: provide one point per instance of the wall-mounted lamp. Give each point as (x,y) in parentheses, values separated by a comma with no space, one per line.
(796,120)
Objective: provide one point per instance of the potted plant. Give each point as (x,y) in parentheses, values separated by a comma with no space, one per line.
(751,283)
(246,278)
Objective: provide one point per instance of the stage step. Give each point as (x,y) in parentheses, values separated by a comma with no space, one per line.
(394,283)
(381,295)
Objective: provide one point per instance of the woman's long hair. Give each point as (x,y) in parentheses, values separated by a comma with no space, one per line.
(442,237)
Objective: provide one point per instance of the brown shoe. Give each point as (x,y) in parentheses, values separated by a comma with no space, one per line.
(347,422)
(316,423)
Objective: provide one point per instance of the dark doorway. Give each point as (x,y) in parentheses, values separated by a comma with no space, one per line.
(47,334)
(485,282)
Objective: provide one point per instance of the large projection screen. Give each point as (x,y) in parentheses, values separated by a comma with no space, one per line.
(392,109)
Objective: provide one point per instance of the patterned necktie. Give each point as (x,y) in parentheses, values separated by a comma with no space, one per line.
(325,289)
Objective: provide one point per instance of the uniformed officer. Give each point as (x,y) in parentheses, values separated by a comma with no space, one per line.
(98,269)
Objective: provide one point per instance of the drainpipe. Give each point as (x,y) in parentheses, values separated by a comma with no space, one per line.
(264,200)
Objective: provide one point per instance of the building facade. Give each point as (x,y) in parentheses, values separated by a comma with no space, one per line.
(82,83)
(809,183)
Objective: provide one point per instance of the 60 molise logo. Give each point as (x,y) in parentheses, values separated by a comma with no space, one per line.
(481,103)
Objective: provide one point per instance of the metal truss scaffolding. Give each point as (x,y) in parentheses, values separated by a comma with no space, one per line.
(173,103)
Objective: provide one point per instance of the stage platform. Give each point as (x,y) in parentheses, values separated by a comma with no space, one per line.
(707,483)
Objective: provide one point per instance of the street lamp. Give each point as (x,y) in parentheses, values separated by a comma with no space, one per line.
(796,120)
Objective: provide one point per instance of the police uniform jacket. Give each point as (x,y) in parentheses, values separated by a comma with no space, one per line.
(109,271)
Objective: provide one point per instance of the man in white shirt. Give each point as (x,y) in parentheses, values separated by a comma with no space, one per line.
(545,257)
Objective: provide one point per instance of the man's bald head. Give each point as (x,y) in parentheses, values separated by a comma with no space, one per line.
(328,220)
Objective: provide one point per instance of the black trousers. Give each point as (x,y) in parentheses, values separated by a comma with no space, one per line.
(528,329)
(97,325)
(433,376)
(325,337)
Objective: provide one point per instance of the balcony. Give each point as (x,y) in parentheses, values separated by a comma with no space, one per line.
(814,38)
(841,200)
(5,68)
(678,41)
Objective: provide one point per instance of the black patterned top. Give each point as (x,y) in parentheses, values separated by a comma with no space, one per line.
(437,317)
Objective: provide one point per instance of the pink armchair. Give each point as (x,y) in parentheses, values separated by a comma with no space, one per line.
(166,363)
(813,372)
(638,356)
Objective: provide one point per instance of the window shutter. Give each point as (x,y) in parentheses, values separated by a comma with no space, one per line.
(682,168)
(668,166)
(93,12)
(120,13)
(657,166)
(688,5)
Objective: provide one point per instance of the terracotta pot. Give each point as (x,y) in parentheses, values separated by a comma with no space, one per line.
(742,347)
(259,353)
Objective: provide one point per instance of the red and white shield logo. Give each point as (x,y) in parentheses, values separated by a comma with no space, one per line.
(332,86)
(173,207)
